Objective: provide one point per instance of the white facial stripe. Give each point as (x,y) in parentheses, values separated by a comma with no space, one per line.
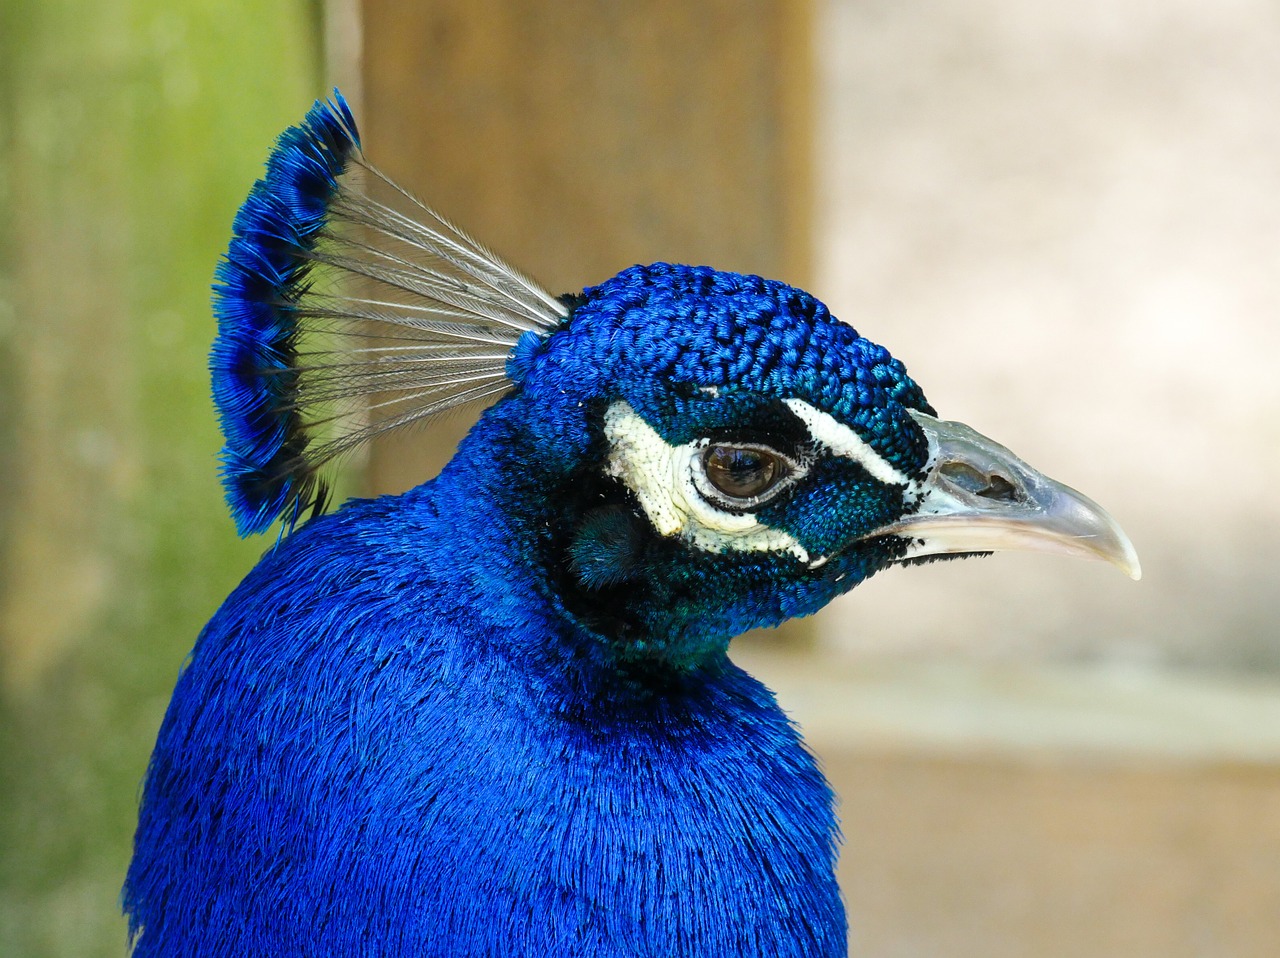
(662,478)
(843,441)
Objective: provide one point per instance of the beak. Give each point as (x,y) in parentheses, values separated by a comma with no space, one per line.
(980,497)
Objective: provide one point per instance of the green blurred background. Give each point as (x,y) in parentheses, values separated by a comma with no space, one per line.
(130,132)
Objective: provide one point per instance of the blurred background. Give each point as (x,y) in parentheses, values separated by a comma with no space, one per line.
(1064,218)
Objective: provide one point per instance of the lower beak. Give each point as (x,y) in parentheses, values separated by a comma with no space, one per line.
(979,497)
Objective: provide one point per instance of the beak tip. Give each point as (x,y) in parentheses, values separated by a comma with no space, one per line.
(1121,553)
(1047,516)
(1131,566)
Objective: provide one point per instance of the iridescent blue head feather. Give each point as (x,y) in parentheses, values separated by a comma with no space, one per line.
(616,412)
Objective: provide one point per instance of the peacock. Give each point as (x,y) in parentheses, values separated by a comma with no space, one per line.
(496,714)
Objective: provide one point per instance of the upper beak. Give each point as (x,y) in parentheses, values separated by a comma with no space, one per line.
(980,497)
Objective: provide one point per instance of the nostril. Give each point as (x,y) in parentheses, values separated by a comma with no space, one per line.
(976,482)
(964,475)
(999,488)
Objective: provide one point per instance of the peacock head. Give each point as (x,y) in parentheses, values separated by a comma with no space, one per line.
(688,453)
(731,455)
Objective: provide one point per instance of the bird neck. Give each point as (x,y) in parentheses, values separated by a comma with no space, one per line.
(505,519)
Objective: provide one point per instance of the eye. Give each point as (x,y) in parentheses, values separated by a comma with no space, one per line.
(743,473)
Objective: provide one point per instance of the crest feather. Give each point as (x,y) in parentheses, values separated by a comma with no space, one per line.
(346,307)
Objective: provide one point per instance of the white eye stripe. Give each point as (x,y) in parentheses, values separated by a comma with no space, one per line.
(662,477)
(843,441)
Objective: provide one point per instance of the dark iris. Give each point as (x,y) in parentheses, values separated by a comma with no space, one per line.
(742,472)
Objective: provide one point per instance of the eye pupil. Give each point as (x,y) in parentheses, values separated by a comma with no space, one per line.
(742,473)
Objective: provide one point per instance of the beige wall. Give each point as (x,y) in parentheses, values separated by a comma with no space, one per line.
(1065,218)
(580,137)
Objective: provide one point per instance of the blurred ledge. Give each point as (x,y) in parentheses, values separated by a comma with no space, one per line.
(1035,713)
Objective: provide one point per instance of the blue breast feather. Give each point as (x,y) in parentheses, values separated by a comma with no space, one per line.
(387,743)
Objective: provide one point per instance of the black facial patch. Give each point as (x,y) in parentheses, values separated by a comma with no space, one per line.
(730,417)
(607,548)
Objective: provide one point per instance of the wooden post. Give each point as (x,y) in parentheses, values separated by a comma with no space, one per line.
(579,138)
